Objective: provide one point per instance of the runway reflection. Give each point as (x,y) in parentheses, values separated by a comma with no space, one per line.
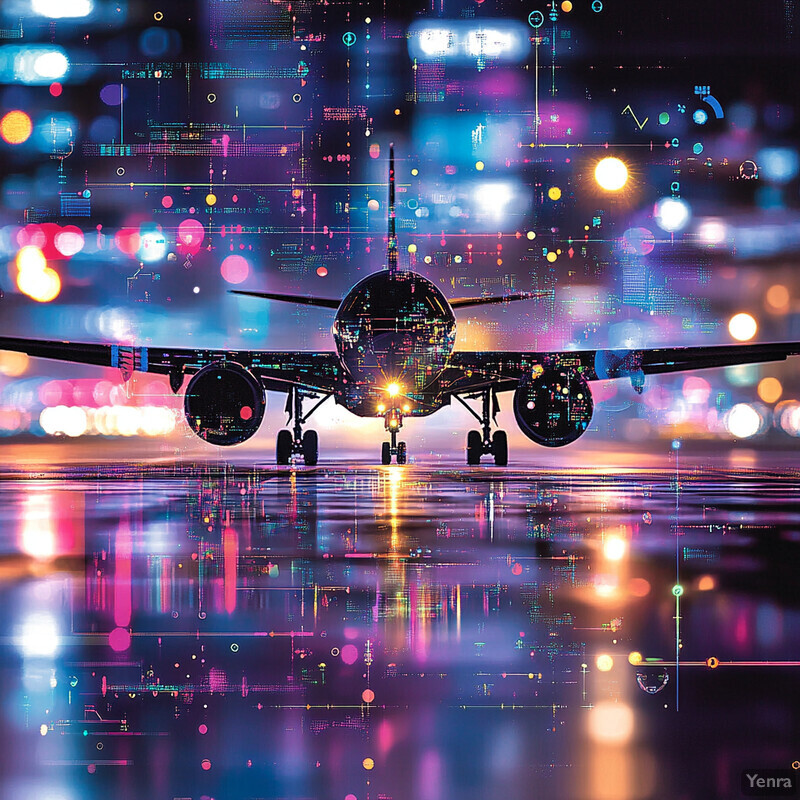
(214,631)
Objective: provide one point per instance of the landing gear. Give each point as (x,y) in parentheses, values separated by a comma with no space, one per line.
(310,448)
(393,421)
(500,448)
(296,442)
(283,449)
(480,443)
(474,448)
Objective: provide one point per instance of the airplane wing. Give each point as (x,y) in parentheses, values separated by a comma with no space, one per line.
(503,369)
(277,371)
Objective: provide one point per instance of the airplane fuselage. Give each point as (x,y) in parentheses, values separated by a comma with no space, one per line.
(394,333)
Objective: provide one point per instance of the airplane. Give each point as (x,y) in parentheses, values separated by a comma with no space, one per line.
(394,334)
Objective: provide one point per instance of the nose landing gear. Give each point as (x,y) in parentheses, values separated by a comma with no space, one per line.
(296,442)
(483,442)
(393,421)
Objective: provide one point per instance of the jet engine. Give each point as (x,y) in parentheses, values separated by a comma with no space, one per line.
(554,407)
(224,403)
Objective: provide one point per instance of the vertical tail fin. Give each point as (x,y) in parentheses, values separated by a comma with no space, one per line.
(391,247)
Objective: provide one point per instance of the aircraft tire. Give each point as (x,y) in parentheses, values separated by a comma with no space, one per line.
(310,448)
(283,447)
(474,448)
(500,448)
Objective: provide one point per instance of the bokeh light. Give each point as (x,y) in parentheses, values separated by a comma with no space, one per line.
(13,365)
(38,635)
(611,174)
(614,548)
(34,278)
(69,241)
(672,214)
(119,639)
(770,390)
(638,241)
(604,662)
(712,231)
(235,269)
(778,297)
(611,722)
(61,9)
(16,127)
(743,421)
(742,327)
(787,417)
(152,245)
(190,236)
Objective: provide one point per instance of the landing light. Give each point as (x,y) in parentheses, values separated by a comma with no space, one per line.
(381,408)
(393,389)
(406,408)
(393,423)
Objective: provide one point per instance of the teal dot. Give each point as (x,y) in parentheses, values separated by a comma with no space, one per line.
(86,733)
(697,148)
(677,590)
(663,118)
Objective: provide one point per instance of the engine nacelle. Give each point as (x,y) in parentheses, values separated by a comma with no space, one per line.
(553,408)
(224,403)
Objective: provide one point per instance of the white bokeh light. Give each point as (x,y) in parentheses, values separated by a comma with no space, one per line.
(742,327)
(743,421)
(672,214)
(38,636)
(611,174)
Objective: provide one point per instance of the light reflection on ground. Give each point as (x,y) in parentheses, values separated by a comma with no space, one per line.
(226,631)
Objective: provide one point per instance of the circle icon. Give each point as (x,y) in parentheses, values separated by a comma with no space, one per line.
(677,590)
(536,19)
(597,6)
(349,38)
(712,663)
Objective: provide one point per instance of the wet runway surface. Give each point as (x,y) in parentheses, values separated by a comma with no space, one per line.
(219,631)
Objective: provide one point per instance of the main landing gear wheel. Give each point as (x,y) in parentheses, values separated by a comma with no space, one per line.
(483,442)
(500,448)
(310,448)
(474,448)
(386,454)
(283,449)
(295,442)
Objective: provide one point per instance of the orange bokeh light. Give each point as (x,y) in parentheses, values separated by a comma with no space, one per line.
(16,127)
